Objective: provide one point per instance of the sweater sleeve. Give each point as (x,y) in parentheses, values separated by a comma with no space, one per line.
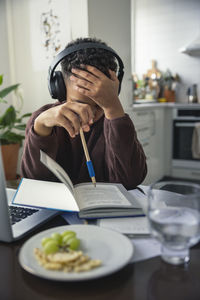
(31,167)
(125,158)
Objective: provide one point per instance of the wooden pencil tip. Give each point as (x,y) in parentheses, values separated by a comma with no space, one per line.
(93,181)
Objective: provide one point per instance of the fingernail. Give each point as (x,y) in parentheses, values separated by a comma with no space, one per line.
(86,127)
(91,121)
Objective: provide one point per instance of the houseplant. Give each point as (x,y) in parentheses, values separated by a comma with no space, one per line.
(12,129)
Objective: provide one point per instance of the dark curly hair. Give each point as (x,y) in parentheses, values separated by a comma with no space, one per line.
(97,57)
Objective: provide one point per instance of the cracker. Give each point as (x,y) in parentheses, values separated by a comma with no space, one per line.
(71,261)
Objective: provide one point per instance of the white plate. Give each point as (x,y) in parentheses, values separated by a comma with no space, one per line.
(112,248)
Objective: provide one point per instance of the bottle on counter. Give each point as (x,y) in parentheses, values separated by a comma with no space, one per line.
(192,94)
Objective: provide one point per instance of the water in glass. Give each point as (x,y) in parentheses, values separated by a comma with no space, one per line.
(176,224)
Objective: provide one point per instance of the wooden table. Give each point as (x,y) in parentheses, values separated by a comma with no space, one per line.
(150,279)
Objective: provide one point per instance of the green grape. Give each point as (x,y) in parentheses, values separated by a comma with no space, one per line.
(57,238)
(65,239)
(45,240)
(50,247)
(68,233)
(74,243)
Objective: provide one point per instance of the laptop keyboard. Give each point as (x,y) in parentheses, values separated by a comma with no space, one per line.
(19,213)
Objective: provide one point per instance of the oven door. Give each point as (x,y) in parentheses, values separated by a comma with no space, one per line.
(182,144)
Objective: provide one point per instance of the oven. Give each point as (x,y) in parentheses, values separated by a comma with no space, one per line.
(184,120)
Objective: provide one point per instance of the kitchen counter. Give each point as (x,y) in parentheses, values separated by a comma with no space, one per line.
(166,105)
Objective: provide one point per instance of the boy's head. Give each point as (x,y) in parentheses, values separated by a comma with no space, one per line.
(97,57)
(78,54)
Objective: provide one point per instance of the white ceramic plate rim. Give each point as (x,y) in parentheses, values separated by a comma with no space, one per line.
(109,241)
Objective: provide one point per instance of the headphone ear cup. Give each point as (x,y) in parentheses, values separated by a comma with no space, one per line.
(120,77)
(58,89)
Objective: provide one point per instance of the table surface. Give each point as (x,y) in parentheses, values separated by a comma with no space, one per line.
(151,279)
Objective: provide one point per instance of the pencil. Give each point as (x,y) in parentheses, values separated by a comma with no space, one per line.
(89,162)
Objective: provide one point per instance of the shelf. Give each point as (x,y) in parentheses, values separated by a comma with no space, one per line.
(192,49)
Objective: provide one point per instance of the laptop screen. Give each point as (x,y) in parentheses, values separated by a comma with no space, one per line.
(5,225)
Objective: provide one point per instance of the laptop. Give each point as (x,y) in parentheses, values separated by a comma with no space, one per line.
(17,221)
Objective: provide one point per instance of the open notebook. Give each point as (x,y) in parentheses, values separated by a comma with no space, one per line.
(104,200)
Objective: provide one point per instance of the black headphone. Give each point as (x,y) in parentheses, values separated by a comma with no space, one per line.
(56,83)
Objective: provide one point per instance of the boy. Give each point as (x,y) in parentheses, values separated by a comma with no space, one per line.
(91,103)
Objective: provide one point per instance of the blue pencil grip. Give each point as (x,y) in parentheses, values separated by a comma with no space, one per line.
(90,168)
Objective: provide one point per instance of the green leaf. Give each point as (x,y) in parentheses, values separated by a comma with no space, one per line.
(8,90)
(3,101)
(20,126)
(11,123)
(9,137)
(8,117)
(26,115)
(19,120)
(1,79)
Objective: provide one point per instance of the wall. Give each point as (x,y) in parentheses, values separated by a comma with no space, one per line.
(95,17)
(161,29)
(19,63)
(15,52)
(4,50)
(110,21)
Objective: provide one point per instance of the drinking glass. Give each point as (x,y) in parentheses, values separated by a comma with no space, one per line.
(174,218)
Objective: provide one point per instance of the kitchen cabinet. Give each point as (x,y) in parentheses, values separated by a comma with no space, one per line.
(154,126)
(184,164)
(192,174)
(155,137)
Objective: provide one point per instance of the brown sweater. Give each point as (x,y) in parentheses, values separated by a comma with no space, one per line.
(114,149)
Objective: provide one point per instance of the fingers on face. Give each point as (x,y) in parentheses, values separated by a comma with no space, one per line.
(92,83)
(97,73)
(92,75)
(100,74)
(82,91)
(87,82)
(81,82)
(86,76)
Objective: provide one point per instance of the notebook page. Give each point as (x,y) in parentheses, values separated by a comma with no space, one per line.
(57,170)
(103,195)
(45,194)
(136,225)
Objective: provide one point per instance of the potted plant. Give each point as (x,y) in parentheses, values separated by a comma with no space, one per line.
(12,128)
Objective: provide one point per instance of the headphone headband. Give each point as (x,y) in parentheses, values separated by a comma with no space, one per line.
(75,48)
